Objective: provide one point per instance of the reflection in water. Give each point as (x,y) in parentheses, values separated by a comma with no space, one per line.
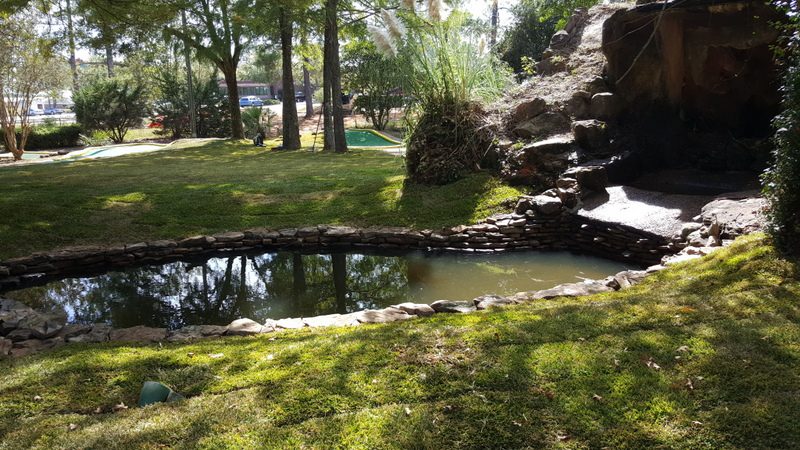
(278,285)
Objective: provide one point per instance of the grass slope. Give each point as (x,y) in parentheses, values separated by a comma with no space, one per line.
(703,355)
(223,186)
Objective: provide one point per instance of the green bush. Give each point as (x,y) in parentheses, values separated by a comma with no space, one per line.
(48,137)
(113,106)
(782,178)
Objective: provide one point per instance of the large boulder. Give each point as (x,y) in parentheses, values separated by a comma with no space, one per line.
(605,106)
(37,325)
(589,178)
(416,309)
(194,332)
(538,163)
(591,135)
(542,204)
(385,315)
(588,287)
(527,109)
(99,332)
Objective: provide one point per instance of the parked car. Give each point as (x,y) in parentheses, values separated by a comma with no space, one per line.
(250,100)
(35,112)
(51,111)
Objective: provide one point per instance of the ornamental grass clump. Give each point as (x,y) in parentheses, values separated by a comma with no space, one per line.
(448,77)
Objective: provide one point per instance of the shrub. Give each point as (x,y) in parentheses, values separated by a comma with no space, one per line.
(47,137)
(782,178)
(447,74)
(113,106)
(376,78)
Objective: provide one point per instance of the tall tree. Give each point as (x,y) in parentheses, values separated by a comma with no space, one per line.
(291,129)
(333,85)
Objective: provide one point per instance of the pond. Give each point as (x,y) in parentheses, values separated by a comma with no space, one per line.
(285,284)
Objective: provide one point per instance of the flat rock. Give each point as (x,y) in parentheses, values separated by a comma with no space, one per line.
(244,327)
(99,332)
(451,306)
(382,315)
(488,301)
(138,334)
(416,309)
(192,332)
(231,236)
(332,320)
(628,278)
(289,324)
(588,287)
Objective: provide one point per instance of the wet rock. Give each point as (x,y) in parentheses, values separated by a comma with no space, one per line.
(416,309)
(385,315)
(138,333)
(289,324)
(605,106)
(591,134)
(545,124)
(451,306)
(588,287)
(193,332)
(5,346)
(488,301)
(244,327)
(98,333)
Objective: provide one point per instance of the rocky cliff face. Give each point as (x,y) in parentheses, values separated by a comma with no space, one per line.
(685,83)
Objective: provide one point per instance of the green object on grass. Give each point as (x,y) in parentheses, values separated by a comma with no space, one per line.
(155,392)
(369,138)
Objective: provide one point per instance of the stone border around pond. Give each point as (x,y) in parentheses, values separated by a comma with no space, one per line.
(27,331)
(545,224)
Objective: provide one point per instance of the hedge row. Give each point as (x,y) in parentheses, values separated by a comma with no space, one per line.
(50,137)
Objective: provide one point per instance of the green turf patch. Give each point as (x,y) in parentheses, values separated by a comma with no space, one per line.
(225,186)
(703,355)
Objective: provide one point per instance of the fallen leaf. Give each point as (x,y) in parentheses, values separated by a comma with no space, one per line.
(408,411)
(689,384)
(73,427)
(216,355)
(516,423)
(562,437)
(652,364)
(597,397)
(37,398)
(190,354)
(119,407)
(697,422)
(98,410)
(683,348)
(270,357)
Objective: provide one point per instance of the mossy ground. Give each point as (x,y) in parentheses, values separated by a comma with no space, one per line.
(703,355)
(224,186)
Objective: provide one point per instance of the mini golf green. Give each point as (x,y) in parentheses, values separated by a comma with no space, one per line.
(369,138)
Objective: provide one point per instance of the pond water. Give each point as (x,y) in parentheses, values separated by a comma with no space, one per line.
(279,285)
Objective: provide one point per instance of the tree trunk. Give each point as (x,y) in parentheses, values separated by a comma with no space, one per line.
(291,127)
(327,65)
(340,281)
(340,143)
(495,23)
(73,63)
(298,275)
(307,92)
(109,61)
(10,142)
(229,72)
(187,55)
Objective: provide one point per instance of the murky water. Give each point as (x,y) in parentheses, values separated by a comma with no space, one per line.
(279,285)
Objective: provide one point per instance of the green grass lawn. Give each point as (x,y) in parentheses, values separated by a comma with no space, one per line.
(223,186)
(703,355)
